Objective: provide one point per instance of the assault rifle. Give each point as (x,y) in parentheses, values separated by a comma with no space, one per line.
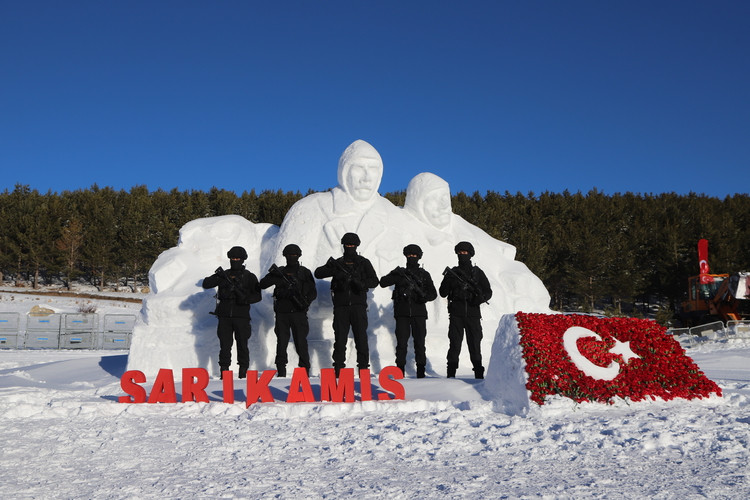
(294,292)
(412,282)
(334,263)
(467,284)
(238,293)
(350,279)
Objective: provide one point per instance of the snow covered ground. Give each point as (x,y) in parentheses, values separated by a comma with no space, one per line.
(64,435)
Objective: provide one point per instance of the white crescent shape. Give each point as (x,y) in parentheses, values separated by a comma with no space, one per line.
(570,343)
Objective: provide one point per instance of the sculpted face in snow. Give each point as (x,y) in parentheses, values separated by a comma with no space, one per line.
(360,171)
(428,198)
(318,221)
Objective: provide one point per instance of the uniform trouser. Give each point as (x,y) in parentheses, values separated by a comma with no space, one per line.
(473,328)
(416,328)
(240,327)
(296,322)
(354,316)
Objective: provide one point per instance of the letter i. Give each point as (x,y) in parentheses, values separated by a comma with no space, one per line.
(227,382)
(365,386)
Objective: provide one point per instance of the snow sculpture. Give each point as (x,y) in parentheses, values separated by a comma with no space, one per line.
(177,331)
(318,221)
(515,287)
(428,198)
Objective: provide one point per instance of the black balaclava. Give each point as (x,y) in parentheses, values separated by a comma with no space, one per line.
(239,255)
(412,249)
(350,242)
(292,253)
(349,253)
(464,261)
(292,263)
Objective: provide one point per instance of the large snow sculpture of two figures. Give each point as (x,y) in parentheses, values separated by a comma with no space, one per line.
(176,330)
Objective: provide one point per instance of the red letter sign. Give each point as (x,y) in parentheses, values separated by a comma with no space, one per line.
(227,385)
(192,389)
(129,383)
(365,386)
(258,389)
(339,392)
(300,389)
(391,385)
(163,390)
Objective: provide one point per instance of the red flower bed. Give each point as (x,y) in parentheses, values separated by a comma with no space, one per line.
(646,362)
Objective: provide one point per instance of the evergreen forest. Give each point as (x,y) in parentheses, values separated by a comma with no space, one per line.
(622,252)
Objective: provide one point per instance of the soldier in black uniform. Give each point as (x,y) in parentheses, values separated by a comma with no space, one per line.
(294,290)
(413,288)
(466,287)
(238,288)
(353,275)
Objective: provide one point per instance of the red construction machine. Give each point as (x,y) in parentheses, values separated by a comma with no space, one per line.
(715,297)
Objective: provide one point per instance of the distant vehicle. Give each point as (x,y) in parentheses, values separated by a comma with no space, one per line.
(722,298)
(715,297)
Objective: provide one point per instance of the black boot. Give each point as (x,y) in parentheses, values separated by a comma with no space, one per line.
(420,371)
(243,372)
(452,371)
(479,372)
(402,368)
(281,371)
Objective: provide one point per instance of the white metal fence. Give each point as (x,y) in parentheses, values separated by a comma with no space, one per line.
(65,331)
(712,332)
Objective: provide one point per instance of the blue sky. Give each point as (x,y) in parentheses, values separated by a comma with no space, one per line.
(640,96)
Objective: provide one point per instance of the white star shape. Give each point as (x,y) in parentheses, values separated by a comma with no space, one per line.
(623,348)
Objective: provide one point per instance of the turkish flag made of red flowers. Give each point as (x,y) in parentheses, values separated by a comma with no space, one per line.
(586,358)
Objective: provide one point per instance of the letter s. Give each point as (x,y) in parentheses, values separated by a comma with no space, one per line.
(390,385)
(129,383)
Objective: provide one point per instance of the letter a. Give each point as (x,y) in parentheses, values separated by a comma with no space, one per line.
(163,390)
(300,389)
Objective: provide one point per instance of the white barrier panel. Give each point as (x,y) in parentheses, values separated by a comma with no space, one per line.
(42,331)
(676,332)
(119,323)
(80,340)
(78,331)
(116,340)
(739,329)
(42,340)
(9,323)
(74,323)
(710,331)
(117,331)
(8,340)
(43,323)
